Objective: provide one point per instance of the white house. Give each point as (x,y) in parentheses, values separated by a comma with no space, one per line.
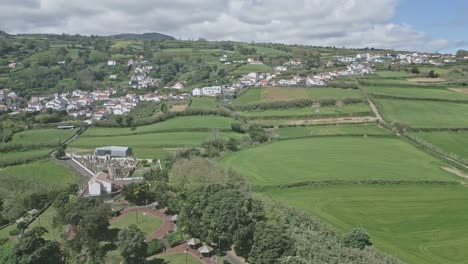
(111,63)
(99,184)
(211,91)
(57,104)
(196,92)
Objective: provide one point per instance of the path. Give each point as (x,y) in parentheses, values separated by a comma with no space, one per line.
(456,172)
(374,108)
(233,258)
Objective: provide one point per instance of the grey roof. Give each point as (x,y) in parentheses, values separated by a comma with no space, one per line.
(113,148)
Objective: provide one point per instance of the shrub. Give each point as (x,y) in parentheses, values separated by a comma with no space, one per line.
(358,238)
(154,247)
(174,239)
(14,232)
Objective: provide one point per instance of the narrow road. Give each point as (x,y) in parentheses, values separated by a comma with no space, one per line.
(233,259)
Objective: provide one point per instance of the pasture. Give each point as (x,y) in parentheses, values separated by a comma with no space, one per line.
(311,131)
(454,143)
(145,143)
(182,123)
(43,136)
(203,103)
(422,93)
(395,74)
(146,222)
(361,109)
(43,171)
(269,94)
(416,223)
(424,114)
(248,68)
(335,158)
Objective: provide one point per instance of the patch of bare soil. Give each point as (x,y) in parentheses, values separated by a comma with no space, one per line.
(460,90)
(456,172)
(179,108)
(426,80)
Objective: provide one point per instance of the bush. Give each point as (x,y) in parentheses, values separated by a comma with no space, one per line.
(174,239)
(358,238)
(154,247)
(14,232)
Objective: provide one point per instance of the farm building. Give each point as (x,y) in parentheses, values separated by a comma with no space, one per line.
(113,151)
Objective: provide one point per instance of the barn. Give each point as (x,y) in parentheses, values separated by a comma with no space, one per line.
(113,151)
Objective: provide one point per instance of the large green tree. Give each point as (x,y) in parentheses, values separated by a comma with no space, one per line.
(132,245)
(270,244)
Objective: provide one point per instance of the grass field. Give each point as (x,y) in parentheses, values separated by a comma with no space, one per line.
(5,233)
(203,103)
(42,170)
(248,68)
(177,258)
(425,114)
(145,143)
(424,93)
(46,220)
(335,158)
(289,93)
(147,223)
(416,223)
(450,142)
(36,153)
(178,123)
(395,74)
(347,110)
(308,131)
(42,136)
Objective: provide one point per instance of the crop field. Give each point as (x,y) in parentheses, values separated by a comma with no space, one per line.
(203,103)
(256,95)
(326,130)
(147,223)
(423,93)
(176,258)
(331,158)
(360,109)
(425,114)
(416,223)
(450,142)
(143,143)
(42,170)
(178,123)
(43,136)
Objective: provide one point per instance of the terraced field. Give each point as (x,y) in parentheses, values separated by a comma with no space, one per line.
(203,103)
(330,158)
(450,142)
(43,136)
(416,223)
(311,131)
(412,92)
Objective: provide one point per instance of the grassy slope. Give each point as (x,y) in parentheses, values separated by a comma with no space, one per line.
(347,110)
(203,103)
(296,132)
(417,223)
(450,142)
(330,158)
(43,170)
(49,136)
(425,114)
(184,122)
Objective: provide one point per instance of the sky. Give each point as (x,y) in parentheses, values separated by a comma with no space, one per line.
(414,25)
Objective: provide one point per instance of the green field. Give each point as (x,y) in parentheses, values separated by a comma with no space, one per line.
(256,95)
(424,114)
(423,93)
(416,223)
(203,103)
(450,142)
(147,223)
(30,154)
(178,123)
(42,170)
(335,158)
(310,131)
(177,258)
(360,109)
(143,143)
(46,220)
(395,74)
(42,136)
(248,68)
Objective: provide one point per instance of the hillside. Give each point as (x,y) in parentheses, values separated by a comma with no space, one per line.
(143,36)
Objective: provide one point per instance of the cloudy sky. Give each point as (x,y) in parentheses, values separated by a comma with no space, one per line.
(424,25)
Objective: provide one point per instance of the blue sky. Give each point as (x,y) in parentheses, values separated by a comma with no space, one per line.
(438,19)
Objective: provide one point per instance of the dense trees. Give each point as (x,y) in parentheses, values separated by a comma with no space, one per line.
(132,245)
(33,249)
(270,244)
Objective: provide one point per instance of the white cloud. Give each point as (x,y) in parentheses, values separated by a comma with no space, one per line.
(352,23)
